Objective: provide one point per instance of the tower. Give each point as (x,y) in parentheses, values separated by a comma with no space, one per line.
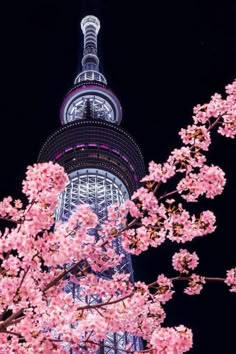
(103,161)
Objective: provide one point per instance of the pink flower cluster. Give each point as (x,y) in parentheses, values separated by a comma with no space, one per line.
(220,110)
(182,227)
(174,223)
(44,181)
(11,210)
(231,279)
(183,261)
(209,181)
(195,285)
(175,340)
(186,159)
(39,260)
(196,135)
(164,290)
(159,173)
(106,288)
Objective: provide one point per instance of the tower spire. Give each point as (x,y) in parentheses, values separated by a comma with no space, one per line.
(90,26)
(90,92)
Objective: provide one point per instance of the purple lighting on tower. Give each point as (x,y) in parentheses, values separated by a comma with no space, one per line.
(58,156)
(104,147)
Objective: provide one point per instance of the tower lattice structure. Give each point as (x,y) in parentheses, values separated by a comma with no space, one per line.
(103,162)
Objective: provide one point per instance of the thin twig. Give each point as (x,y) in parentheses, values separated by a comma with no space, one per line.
(187,278)
(168,194)
(88,307)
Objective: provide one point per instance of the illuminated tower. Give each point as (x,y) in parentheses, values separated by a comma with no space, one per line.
(103,161)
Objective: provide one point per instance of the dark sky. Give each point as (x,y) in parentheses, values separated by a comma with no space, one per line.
(160,61)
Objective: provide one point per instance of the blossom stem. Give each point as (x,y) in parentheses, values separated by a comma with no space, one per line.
(168,194)
(13,333)
(215,122)
(105,303)
(21,282)
(60,276)
(157,187)
(7,219)
(185,278)
(8,321)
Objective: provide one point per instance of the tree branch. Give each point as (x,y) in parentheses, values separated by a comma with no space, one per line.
(12,333)
(187,278)
(168,194)
(60,276)
(21,282)
(8,321)
(88,307)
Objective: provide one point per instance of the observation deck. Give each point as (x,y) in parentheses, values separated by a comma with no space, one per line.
(99,145)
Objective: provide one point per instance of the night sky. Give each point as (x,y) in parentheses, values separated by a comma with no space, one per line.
(160,61)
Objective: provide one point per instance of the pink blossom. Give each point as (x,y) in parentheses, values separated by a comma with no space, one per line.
(209,181)
(164,292)
(200,116)
(196,135)
(42,178)
(175,340)
(186,159)
(182,227)
(228,128)
(216,106)
(135,241)
(231,279)
(147,199)
(183,261)
(206,223)
(47,317)
(231,88)
(195,285)
(159,173)
(132,208)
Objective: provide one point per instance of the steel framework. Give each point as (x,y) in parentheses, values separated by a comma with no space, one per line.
(95,187)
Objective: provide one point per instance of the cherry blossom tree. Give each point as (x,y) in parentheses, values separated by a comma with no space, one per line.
(39,256)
